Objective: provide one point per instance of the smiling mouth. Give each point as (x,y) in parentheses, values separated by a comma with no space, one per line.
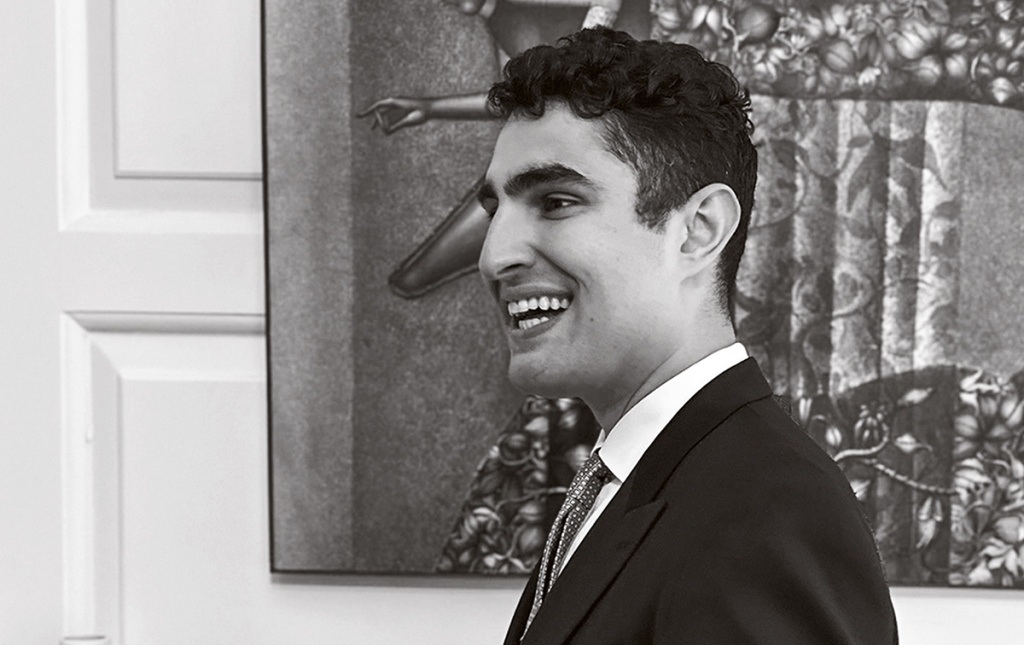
(530,312)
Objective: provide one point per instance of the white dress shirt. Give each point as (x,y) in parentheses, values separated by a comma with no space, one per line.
(627,441)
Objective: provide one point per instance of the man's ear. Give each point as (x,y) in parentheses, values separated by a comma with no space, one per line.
(704,225)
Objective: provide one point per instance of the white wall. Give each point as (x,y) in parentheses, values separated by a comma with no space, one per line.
(133,496)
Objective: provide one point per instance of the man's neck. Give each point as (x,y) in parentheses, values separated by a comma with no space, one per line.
(609,411)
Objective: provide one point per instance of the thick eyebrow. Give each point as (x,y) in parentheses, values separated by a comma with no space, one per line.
(524,181)
(548,173)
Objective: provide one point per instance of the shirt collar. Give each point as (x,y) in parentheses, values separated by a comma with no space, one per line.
(622,447)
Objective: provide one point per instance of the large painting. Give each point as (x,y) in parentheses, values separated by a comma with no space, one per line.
(879,291)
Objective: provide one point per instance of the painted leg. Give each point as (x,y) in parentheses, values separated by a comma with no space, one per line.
(452,250)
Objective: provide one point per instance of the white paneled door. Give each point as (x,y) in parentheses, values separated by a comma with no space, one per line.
(133,462)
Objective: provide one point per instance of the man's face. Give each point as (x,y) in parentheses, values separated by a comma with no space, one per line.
(587,292)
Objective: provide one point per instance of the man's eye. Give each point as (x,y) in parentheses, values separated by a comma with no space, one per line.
(554,203)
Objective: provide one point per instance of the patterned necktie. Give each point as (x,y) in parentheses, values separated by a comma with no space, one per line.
(583,490)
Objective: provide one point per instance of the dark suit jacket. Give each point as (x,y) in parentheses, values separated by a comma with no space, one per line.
(733,528)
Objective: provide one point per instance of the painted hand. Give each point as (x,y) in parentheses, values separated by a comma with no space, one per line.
(394,113)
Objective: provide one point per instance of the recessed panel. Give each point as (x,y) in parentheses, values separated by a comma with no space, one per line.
(180,472)
(186,88)
(193,511)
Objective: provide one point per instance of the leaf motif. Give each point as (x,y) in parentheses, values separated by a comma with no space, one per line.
(1012,564)
(785,185)
(833,436)
(929,514)
(931,162)
(872,110)
(995,549)
(785,153)
(914,396)
(859,228)
(911,152)
(1017,470)
(970,378)
(1007,529)
(755,329)
(794,113)
(971,472)
(927,530)
(827,186)
(859,141)
(949,210)
(862,177)
(804,156)
(909,444)
(911,232)
(942,318)
(959,520)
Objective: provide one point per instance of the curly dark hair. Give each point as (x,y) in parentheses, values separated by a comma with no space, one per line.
(680,121)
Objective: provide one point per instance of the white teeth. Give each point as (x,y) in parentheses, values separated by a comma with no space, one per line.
(544,303)
(541,303)
(532,322)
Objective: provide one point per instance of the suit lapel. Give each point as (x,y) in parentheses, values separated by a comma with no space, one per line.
(610,542)
(634,510)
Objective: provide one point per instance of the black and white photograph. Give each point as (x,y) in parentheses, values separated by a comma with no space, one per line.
(512,321)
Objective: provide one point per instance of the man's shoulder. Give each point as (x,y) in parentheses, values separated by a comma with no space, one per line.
(760,456)
(765,437)
(755,510)
(733,443)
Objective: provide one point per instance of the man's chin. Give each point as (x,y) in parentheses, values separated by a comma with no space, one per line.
(532,379)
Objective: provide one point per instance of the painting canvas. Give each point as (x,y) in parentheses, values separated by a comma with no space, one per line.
(879,291)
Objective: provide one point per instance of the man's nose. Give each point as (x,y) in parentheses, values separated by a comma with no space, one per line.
(508,245)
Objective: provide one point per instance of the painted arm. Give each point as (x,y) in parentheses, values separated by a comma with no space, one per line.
(394,113)
(601,12)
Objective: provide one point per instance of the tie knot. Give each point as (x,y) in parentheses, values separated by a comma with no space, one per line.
(594,468)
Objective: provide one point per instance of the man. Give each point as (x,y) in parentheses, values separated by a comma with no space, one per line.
(619,193)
